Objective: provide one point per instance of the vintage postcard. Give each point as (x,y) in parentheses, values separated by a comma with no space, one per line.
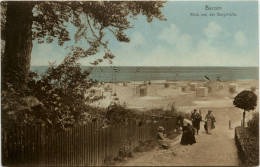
(129,83)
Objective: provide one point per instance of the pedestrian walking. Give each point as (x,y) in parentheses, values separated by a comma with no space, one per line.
(196,119)
(188,135)
(210,119)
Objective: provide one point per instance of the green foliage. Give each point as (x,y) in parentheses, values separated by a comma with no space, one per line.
(169,111)
(59,95)
(57,99)
(62,91)
(253,124)
(246,100)
(87,22)
(18,109)
(92,21)
(117,114)
(248,146)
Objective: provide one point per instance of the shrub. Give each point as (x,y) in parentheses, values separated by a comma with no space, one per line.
(117,113)
(59,97)
(18,109)
(62,91)
(248,146)
(253,124)
(169,111)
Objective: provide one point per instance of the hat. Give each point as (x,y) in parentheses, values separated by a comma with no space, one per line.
(161,128)
(210,111)
(186,122)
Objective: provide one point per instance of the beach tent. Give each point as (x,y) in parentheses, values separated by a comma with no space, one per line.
(206,84)
(201,92)
(233,88)
(137,89)
(108,87)
(143,91)
(98,92)
(184,88)
(193,86)
(166,85)
(221,86)
(212,87)
(253,88)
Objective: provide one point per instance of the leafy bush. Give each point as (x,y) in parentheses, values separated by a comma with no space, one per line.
(18,109)
(59,95)
(62,91)
(248,146)
(253,124)
(117,113)
(169,111)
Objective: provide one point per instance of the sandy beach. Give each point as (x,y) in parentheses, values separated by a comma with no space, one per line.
(159,97)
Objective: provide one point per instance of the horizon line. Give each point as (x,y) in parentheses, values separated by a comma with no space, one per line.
(148,66)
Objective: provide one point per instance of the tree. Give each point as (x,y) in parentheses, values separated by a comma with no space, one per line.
(49,21)
(246,100)
(59,99)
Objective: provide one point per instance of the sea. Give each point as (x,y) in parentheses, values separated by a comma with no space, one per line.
(125,74)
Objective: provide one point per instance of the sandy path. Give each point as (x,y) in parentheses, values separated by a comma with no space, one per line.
(217,149)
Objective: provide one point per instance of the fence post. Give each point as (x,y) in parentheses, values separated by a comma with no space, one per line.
(42,150)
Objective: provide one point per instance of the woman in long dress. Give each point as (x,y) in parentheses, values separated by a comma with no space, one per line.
(210,119)
(188,135)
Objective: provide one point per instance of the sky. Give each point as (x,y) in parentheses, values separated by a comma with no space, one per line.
(182,40)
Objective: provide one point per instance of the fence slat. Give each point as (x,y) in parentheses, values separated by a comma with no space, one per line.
(88,143)
(95,145)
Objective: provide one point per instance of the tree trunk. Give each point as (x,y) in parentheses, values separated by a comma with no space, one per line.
(244,116)
(18,47)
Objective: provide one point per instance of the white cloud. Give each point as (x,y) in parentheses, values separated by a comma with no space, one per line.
(180,50)
(131,53)
(174,37)
(240,39)
(203,53)
(213,30)
(137,39)
(170,34)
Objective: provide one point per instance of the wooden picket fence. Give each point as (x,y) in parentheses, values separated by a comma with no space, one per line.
(87,145)
(22,146)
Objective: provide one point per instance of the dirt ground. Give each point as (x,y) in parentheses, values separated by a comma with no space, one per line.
(217,149)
